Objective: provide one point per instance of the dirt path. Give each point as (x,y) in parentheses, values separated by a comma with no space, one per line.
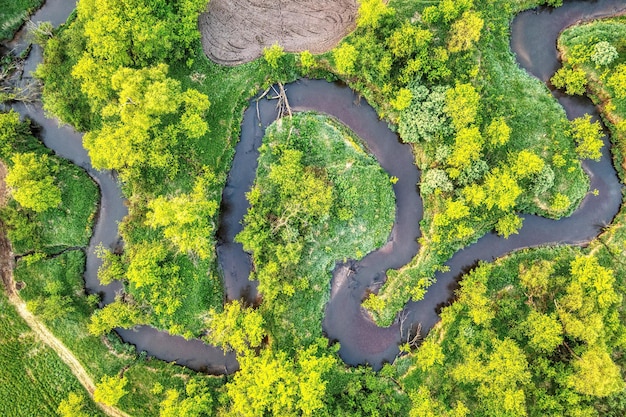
(236,31)
(46,336)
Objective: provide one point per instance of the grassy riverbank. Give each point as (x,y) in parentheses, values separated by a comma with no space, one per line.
(597,50)
(13,14)
(34,380)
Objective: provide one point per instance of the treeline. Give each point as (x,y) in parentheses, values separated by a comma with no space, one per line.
(539,333)
(107,72)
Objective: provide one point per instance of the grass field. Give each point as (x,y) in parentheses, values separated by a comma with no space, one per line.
(33,378)
(13,13)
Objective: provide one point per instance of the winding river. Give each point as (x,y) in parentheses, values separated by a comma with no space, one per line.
(534,36)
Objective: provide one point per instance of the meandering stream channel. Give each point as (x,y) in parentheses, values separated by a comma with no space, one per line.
(534,36)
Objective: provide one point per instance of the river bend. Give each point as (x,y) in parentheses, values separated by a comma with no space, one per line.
(533,40)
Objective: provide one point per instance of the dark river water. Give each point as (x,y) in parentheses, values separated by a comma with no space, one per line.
(534,36)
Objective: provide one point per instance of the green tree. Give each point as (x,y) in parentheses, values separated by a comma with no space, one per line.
(116,314)
(596,374)
(462,105)
(110,390)
(526,163)
(307,60)
(468,145)
(588,137)
(509,224)
(112,267)
(186,219)
(604,54)
(273,55)
(617,81)
(197,400)
(501,189)
(545,332)
(236,328)
(273,384)
(72,406)
(573,80)
(425,118)
(146,120)
(465,32)
(408,40)
(345,57)
(402,100)
(497,132)
(371,12)
(32,183)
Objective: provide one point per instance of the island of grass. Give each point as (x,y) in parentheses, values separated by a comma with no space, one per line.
(319,198)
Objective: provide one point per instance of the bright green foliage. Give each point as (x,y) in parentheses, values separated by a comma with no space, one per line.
(135,133)
(516,342)
(187,218)
(408,39)
(33,185)
(545,332)
(573,80)
(498,132)
(509,224)
(596,374)
(236,328)
(345,58)
(116,314)
(299,197)
(446,11)
(72,406)
(465,32)
(307,60)
(112,267)
(197,402)
(402,100)
(273,383)
(501,189)
(371,12)
(604,53)
(273,54)
(154,274)
(588,137)
(617,81)
(468,144)
(527,163)
(560,203)
(11,133)
(110,390)
(462,105)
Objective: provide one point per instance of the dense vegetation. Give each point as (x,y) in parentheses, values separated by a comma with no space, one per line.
(445,74)
(527,336)
(594,61)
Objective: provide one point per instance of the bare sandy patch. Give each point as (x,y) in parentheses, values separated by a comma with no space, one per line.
(236,31)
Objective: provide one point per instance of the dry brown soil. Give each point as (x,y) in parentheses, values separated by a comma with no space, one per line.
(236,31)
